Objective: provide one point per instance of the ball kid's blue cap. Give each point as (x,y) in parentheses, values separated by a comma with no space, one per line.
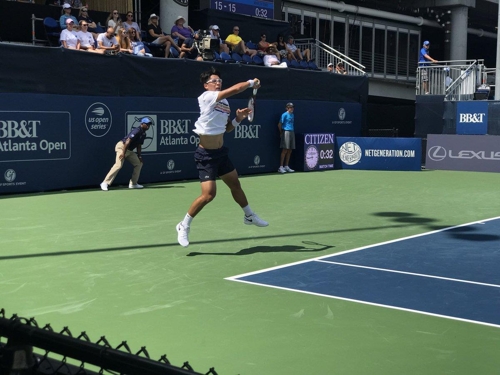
(426,43)
(146,120)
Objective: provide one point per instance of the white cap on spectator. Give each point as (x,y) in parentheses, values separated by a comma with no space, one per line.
(69,20)
(180,18)
(215,27)
(153,16)
(331,64)
(66,5)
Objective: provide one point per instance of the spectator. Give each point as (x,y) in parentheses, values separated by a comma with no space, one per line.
(330,67)
(87,41)
(83,15)
(76,4)
(237,44)
(114,20)
(68,36)
(215,34)
(296,52)
(155,35)
(264,45)
(287,138)
(271,60)
(66,14)
(124,150)
(129,22)
(138,47)
(124,40)
(181,32)
(422,63)
(340,68)
(189,49)
(283,49)
(107,41)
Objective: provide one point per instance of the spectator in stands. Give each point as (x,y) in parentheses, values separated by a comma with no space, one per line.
(264,45)
(129,22)
(340,68)
(296,52)
(83,15)
(189,49)
(215,34)
(236,44)
(422,63)
(330,67)
(124,150)
(181,32)
(283,49)
(271,60)
(287,138)
(66,14)
(114,20)
(155,35)
(107,41)
(68,36)
(124,40)
(138,47)
(87,41)
(76,4)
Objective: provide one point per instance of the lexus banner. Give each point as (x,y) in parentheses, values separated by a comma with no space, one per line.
(479,153)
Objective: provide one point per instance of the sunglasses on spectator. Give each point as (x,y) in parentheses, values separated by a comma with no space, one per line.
(130,15)
(115,12)
(84,24)
(263,36)
(236,29)
(218,80)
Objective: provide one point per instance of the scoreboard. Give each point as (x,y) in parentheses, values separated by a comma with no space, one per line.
(255,8)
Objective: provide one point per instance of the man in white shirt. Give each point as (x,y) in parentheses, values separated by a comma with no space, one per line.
(211,157)
(297,53)
(107,41)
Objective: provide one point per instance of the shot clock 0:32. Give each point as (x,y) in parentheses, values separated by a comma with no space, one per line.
(255,8)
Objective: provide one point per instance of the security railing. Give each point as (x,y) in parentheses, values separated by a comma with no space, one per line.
(324,54)
(455,79)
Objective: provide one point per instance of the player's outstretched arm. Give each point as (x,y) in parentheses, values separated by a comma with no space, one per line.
(239,87)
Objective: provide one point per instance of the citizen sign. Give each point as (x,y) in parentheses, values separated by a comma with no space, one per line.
(439,153)
(469,118)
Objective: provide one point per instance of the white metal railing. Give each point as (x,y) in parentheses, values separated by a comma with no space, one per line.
(455,79)
(324,54)
(34,40)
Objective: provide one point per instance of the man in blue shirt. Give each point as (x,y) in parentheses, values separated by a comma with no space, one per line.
(124,149)
(422,63)
(287,138)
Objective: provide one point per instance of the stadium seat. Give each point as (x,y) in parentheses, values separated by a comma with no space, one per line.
(304,65)
(156,50)
(313,66)
(174,53)
(257,60)
(225,58)
(237,58)
(217,57)
(247,59)
(251,45)
(295,64)
(52,31)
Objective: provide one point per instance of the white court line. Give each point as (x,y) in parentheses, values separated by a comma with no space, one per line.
(235,278)
(372,304)
(410,273)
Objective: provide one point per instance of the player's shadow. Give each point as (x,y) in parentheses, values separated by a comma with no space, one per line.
(466,233)
(272,249)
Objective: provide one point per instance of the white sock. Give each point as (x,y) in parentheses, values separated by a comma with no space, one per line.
(186,223)
(248,211)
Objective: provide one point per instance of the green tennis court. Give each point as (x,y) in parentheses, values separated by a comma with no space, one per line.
(108,263)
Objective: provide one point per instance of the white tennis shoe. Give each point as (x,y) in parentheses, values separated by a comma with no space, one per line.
(135,186)
(255,220)
(182,235)
(104,186)
(288,169)
(281,170)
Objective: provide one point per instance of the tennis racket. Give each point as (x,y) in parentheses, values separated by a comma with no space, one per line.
(251,105)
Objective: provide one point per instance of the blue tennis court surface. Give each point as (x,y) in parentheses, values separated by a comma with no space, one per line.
(452,273)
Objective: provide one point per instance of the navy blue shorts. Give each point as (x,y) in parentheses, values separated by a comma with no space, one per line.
(212,163)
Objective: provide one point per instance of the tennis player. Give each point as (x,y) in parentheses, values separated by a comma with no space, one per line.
(211,156)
